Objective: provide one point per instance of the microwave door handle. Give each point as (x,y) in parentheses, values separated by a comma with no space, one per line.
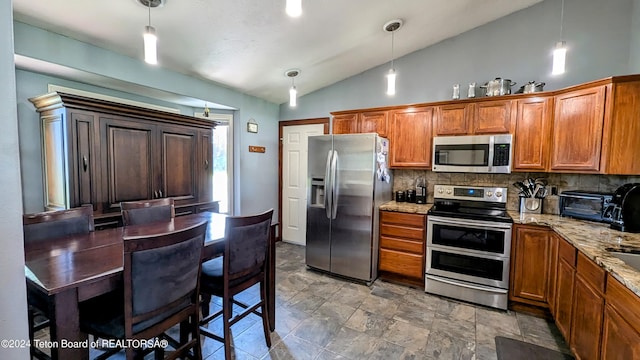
(492,141)
(327,185)
(581,197)
(455,283)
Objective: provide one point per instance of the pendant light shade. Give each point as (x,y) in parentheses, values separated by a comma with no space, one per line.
(150,38)
(560,51)
(150,45)
(391,82)
(559,58)
(293,91)
(392,26)
(294,8)
(293,96)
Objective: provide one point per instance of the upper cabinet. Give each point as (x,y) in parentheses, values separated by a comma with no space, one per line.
(577,130)
(587,128)
(469,118)
(361,122)
(595,128)
(410,137)
(531,136)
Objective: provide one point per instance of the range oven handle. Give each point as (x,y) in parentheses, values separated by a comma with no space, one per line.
(469,223)
(455,283)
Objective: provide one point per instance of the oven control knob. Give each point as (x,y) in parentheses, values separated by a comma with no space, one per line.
(489,194)
(449,191)
(498,193)
(440,190)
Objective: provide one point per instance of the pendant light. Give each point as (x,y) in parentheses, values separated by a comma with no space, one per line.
(392,26)
(293,92)
(294,8)
(150,38)
(560,51)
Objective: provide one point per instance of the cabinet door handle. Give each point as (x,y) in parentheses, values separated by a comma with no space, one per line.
(206,164)
(84,163)
(160,192)
(155,194)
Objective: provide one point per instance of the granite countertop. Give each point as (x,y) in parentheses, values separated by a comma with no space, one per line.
(592,239)
(406,207)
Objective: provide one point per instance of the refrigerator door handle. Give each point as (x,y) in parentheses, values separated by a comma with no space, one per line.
(327,185)
(334,185)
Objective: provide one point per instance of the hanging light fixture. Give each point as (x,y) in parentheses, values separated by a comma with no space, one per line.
(294,8)
(560,51)
(293,92)
(150,38)
(392,26)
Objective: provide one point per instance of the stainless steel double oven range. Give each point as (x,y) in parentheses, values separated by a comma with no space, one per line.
(469,244)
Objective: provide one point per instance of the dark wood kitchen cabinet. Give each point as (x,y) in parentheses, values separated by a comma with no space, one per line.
(360,122)
(530,265)
(101,153)
(402,247)
(588,309)
(531,137)
(565,282)
(410,137)
(162,159)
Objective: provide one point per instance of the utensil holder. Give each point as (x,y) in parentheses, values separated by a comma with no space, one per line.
(530,205)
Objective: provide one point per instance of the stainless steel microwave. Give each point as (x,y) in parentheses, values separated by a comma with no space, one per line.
(475,153)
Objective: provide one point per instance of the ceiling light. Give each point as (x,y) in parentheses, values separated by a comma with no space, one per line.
(560,51)
(294,8)
(392,26)
(293,92)
(150,38)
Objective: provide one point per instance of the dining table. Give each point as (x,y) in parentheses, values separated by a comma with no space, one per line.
(63,272)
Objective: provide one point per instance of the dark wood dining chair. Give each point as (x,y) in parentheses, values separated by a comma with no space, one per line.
(247,240)
(160,290)
(147,211)
(43,226)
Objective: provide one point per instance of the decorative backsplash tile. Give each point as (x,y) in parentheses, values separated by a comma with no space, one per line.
(406,179)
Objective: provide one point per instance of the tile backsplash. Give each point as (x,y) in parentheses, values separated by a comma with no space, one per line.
(406,179)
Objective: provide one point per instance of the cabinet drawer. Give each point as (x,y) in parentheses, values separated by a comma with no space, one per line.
(567,252)
(593,274)
(389,243)
(401,263)
(403,219)
(624,302)
(402,231)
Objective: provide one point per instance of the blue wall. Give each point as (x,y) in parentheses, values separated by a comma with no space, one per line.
(516,47)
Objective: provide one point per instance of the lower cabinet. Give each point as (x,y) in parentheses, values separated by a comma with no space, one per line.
(588,309)
(565,282)
(621,324)
(401,248)
(530,265)
(597,315)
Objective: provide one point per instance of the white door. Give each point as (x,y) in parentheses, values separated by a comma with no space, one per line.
(294,180)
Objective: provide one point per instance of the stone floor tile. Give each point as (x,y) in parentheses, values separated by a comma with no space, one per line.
(407,335)
(317,330)
(328,355)
(368,322)
(252,341)
(336,311)
(293,348)
(460,329)
(353,344)
(351,295)
(443,346)
(379,305)
(306,302)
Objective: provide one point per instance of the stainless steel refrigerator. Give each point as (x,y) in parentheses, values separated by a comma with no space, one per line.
(348,179)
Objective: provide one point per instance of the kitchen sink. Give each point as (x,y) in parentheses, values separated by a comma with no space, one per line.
(631,259)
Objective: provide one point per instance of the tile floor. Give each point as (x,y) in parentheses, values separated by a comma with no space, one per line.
(321,317)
